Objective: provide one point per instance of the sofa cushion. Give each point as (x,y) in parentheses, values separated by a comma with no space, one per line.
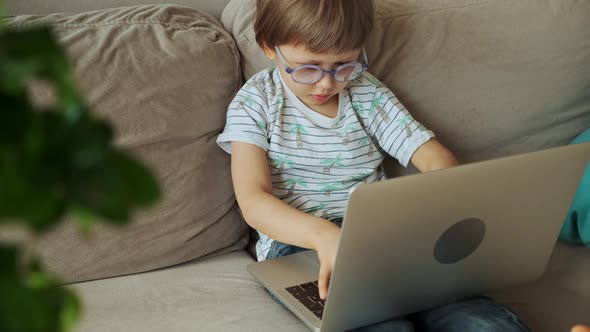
(214,294)
(560,299)
(218,294)
(486,77)
(164,76)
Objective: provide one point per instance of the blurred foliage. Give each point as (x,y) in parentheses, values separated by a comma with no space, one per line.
(53,161)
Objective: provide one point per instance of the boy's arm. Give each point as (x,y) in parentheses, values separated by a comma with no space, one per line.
(273,217)
(432,156)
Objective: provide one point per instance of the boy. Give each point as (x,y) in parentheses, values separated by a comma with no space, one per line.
(301,135)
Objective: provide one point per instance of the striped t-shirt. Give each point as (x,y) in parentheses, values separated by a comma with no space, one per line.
(315,160)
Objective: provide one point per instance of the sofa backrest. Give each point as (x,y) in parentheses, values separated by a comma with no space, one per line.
(20,7)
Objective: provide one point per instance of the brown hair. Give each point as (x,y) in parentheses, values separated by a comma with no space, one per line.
(319,25)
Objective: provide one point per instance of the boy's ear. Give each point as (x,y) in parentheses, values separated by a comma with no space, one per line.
(270,53)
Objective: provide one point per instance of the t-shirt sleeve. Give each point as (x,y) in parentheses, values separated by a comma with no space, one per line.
(247,119)
(395,130)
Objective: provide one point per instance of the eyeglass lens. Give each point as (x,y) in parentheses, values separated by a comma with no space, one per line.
(312,75)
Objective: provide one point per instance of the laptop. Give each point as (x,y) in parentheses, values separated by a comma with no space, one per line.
(417,242)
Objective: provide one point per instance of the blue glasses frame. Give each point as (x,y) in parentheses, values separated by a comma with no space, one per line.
(333,72)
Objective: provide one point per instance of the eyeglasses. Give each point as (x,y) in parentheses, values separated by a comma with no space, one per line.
(310,74)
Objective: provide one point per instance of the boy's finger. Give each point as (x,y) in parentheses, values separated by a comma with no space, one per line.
(323,281)
(580,328)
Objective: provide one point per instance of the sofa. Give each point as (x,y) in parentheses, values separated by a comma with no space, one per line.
(491,78)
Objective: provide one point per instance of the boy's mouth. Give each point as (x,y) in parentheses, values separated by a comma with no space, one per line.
(320,98)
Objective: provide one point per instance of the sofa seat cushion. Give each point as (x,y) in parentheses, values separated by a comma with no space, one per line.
(218,294)
(561,298)
(214,294)
(163,75)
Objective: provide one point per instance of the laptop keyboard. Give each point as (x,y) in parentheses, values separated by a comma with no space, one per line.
(308,294)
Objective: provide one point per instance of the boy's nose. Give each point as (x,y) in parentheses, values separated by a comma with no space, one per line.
(326,82)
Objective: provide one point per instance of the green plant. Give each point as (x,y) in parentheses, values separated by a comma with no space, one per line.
(54,162)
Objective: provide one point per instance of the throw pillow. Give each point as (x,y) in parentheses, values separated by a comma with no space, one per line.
(163,75)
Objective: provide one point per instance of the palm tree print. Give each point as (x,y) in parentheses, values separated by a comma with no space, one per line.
(344,133)
(326,214)
(366,141)
(298,129)
(329,188)
(357,177)
(376,105)
(294,182)
(403,123)
(279,102)
(282,162)
(261,124)
(330,163)
(313,210)
(357,106)
(247,99)
(321,207)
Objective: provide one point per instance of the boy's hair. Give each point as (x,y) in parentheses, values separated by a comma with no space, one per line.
(319,25)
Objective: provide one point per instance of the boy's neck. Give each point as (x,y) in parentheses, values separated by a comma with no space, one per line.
(328,109)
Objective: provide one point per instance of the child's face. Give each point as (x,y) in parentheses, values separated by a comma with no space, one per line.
(323,92)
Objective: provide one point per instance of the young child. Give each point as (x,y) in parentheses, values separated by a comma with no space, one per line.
(301,135)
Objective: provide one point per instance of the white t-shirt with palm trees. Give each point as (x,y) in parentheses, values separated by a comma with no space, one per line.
(315,160)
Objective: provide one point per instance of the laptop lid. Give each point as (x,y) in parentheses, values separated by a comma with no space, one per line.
(416,242)
(421,241)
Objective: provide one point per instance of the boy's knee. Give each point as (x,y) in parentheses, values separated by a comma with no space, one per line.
(478,314)
(485,315)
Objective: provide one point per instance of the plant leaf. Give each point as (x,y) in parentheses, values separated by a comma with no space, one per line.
(8,262)
(70,312)
(35,53)
(15,113)
(114,188)
(25,197)
(45,309)
(85,219)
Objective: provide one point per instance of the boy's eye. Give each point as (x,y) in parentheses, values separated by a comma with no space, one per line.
(319,64)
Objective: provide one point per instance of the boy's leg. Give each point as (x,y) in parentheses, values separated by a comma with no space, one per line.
(392,325)
(279,249)
(480,314)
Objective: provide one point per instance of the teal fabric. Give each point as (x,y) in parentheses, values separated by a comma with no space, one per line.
(576,228)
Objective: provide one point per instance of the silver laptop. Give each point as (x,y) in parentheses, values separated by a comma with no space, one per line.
(421,241)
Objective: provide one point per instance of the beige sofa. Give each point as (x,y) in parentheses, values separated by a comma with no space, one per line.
(490,77)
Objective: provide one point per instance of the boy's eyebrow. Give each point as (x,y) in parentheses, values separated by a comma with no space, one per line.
(317,61)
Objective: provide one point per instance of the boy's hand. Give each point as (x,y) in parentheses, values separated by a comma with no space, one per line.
(326,246)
